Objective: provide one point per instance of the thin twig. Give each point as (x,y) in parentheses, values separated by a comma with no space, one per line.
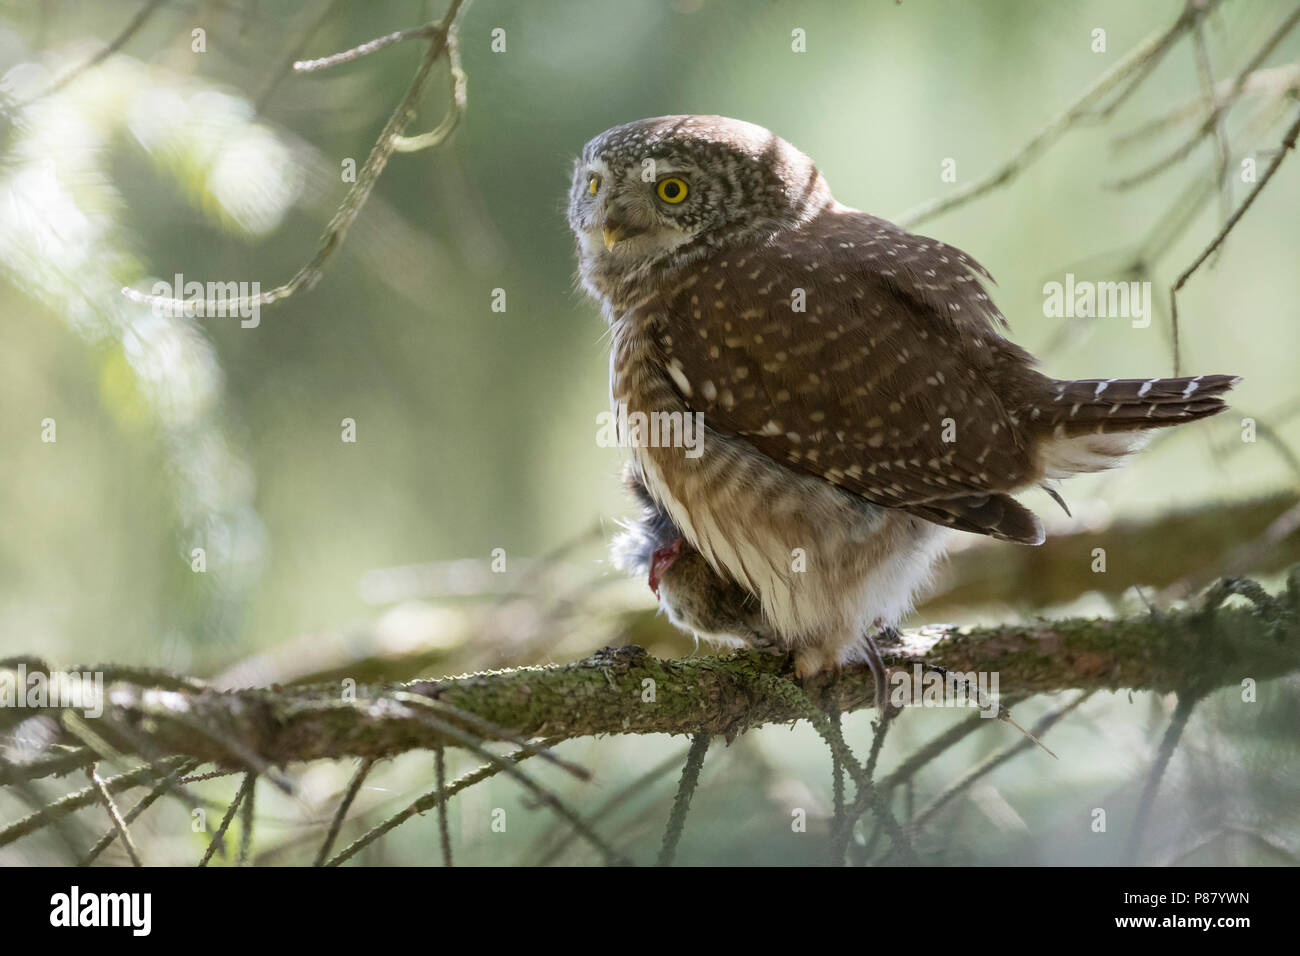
(874,797)
(440,777)
(682,802)
(55,812)
(1193,11)
(421,707)
(837,790)
(427,802)
(426,31)
(289,62)
(247,818)
(831,734)
(1278,80)
(336,232)
(210,775)
(1205,71)
(119,41)
(1220,107)
(1182,713)
(1141,58)
(625,793)
(55,763)
(160,788)
(458,96)
(490,729)
(881,728)
(1288,144)
(997,760)
(64,828)
(114,815)
(354,787)
(924,755)
(219,837)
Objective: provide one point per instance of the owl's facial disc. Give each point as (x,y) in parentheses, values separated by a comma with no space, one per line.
(663,193)
(623,216)
(632,226)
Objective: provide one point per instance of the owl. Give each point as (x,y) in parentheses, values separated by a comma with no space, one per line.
(815,400)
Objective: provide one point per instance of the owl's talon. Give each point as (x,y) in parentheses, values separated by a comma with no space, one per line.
(879,673)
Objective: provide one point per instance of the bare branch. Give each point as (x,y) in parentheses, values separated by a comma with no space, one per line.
(998,759)
(354,787)
(56,813)
(1288,144)
(1221,106)
(119,41)
(440,782)
(336,232)
(426,31)
(1139,62)
(428,801)
(148,800)
(219,838)
(114,815)
(290,61)
(682,802)
(1182,713)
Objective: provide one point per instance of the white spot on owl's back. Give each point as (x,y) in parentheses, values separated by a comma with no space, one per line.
(679,377)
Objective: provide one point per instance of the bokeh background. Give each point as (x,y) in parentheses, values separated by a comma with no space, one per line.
(476,428)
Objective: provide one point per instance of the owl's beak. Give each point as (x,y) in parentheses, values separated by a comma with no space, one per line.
(615,232)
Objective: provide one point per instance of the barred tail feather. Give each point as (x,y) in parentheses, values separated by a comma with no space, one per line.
(1100,406)
(1095,423)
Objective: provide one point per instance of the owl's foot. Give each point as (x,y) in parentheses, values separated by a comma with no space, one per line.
(810,661)
(661,561)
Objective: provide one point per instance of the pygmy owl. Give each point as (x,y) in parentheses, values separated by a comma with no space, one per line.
(859,403)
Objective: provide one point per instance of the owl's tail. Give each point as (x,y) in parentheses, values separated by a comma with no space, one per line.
(1094,423)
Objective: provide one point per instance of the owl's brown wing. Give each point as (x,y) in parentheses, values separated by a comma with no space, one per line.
(853,350)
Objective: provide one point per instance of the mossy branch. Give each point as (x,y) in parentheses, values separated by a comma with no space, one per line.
(626,691)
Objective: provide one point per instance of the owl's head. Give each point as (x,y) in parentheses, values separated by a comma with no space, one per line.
(669,189)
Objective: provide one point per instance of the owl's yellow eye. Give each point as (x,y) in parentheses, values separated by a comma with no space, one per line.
(593,184)
(671,190)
